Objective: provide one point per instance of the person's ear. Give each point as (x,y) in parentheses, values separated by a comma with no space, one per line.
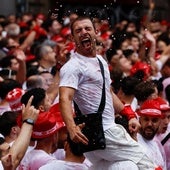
(97,31)
(41,108)
(14,129)
(72,38)
(65,145)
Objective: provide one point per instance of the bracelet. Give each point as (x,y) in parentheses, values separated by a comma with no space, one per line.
(29,121)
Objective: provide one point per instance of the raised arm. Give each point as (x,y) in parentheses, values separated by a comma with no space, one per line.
(18,149)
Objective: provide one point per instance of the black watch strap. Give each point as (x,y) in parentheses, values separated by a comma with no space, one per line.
(29,121)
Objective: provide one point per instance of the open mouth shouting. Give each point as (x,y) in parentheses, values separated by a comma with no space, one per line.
(86,43)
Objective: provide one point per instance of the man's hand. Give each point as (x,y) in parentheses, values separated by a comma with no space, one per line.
(134,126)
(76,135)
(29,112)
(7,162)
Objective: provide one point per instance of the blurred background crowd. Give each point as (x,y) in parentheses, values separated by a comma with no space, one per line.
(134,38)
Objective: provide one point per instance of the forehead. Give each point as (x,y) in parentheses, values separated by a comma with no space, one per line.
(82,23)
(149,118)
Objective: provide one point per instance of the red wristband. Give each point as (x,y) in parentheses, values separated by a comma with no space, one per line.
(127,111)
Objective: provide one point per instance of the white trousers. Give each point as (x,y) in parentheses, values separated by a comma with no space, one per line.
(120,147)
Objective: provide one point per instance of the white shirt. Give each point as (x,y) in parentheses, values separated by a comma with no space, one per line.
(34,159)
(84,74)
(153,151)
(64,165)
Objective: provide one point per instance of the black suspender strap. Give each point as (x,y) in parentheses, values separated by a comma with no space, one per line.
(165,139)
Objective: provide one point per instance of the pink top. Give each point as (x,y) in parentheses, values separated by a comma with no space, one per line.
(166,146)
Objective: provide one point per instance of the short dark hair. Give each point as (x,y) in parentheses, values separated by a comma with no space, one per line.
(74,147)
(144,89)
(7,121)
(7,85)
(39,95)
(128,84)
(80,18)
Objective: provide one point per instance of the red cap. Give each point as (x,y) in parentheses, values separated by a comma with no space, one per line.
(164,106)
(65,32)
(40,16)
(150,107)
(141,66)
(58,38)
(105,36)
(47,124)
(14,99)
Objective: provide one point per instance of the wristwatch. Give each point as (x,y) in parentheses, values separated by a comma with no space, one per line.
(29,121)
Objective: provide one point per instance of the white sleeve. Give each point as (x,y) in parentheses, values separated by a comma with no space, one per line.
(159,64)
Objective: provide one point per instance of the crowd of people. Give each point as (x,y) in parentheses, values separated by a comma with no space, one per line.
(47,65)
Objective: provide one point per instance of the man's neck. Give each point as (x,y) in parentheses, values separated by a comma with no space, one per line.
(73,158)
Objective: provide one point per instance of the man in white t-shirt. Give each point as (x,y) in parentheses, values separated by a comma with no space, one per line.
(150,115)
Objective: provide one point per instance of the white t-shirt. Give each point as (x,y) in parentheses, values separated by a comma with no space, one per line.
(64,165)
(84,75)
(153,151)
(34,159)
(59,154)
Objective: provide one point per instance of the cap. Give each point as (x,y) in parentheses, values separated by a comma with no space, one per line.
(40,16)
(150,107)
(47,124)
(164,106)
(65,31)
(14,99)
(58,38)
(141,66)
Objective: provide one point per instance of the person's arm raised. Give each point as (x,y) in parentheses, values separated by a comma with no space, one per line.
(18,149)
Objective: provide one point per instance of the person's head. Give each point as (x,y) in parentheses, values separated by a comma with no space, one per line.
(48,77)
(118,61)
(36,81)
(14,99)
(165,71)
(162,42)
(165,108)
(134,42)
(128,84)
(53,26)
(150,116)
(72,147)
(46,54)
(8,125)
(40,101)
(145,90)
(131,55)
(49,129)
(13,30)
(84,34)
(167,92)
(141,70)
(10,62)
(7,85)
